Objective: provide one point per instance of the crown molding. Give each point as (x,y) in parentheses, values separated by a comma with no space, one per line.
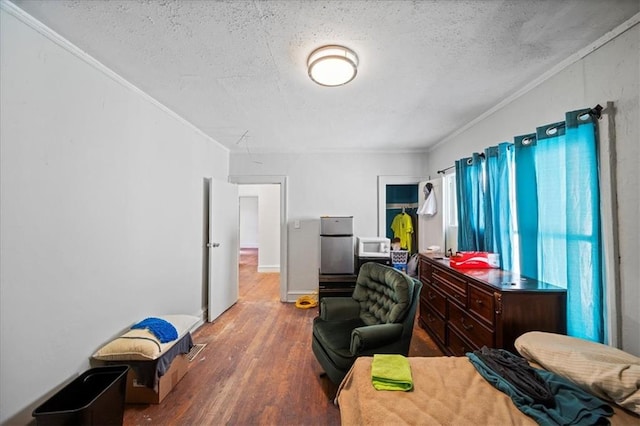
(65,44)
(631,22)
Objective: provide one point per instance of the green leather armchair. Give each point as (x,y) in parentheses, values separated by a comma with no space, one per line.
(377,319)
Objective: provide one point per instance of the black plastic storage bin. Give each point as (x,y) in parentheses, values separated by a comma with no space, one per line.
(96,397)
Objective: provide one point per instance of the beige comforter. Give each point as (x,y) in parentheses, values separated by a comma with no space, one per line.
(447,391)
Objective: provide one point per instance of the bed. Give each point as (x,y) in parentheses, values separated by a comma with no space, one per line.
(148,357)
(449,390)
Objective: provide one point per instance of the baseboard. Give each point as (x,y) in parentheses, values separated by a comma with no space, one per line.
(292,296)
(267,268)
(202,315)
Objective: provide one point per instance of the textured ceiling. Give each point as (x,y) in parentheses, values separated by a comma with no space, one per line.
(236,68)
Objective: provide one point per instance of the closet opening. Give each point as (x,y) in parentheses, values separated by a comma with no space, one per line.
(401,215)
(402,199)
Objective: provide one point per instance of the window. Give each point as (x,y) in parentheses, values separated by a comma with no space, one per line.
(450,211)
(451,204)
(536,203)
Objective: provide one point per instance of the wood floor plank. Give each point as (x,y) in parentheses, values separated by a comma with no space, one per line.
(257,367)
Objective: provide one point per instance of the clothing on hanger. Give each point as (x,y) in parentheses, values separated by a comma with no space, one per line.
(429,207)
(402,228)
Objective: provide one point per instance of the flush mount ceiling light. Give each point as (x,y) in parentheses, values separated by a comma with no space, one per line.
(332,65)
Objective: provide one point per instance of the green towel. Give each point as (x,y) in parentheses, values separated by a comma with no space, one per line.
(391,372)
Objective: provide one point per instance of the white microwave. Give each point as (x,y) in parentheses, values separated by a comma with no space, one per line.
(373,247)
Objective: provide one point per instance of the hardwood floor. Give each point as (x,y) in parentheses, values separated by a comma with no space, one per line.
(257,367)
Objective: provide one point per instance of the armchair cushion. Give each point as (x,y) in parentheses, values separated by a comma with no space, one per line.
(339,308)
(335,337)
(374,336)
(384,294)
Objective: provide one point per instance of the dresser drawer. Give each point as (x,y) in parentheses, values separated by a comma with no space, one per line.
(433,322)
(434,298)
(481,303)
(442,276)
(457,345)
(469,327)
(453,294)
(425,271)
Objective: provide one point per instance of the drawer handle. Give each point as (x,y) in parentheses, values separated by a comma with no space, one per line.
(431,296)
(465,325)
(430,318)
(479,302)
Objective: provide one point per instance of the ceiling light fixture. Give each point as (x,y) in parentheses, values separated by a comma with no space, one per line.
(332,65)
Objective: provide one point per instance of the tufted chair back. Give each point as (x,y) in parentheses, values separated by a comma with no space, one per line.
(383,293)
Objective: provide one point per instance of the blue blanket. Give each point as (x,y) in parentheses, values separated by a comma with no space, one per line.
(573,406)
(162,329)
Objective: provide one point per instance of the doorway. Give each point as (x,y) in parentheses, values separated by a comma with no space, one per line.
(263,230)
(259,257)
(385,184)
(402,207)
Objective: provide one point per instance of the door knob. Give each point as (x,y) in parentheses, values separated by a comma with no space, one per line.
(213,245)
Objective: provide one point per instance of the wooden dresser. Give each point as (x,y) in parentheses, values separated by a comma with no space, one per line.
(465,309)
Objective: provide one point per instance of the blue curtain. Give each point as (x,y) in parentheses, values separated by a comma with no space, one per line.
(470,199)
(526,203)
(498,230)
(483,197)
(557,199)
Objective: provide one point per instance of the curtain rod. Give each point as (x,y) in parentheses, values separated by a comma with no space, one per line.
(596,111)
(445,169)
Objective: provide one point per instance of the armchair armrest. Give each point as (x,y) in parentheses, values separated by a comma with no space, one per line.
(374,336)
(339,308)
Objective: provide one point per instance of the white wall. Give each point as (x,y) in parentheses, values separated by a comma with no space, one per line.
(610,73)
(248,221)
(268,219)
(326,184)
(101,218)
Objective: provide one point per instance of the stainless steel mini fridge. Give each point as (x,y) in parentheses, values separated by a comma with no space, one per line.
(336,245)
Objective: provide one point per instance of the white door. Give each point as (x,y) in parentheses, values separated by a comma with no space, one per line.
(223,246)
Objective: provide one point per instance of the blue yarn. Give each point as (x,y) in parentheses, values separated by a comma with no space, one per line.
(162,329)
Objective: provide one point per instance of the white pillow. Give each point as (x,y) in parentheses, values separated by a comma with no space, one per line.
(602,370)
(182,323)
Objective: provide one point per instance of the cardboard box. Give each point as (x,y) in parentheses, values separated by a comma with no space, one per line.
(137,393)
